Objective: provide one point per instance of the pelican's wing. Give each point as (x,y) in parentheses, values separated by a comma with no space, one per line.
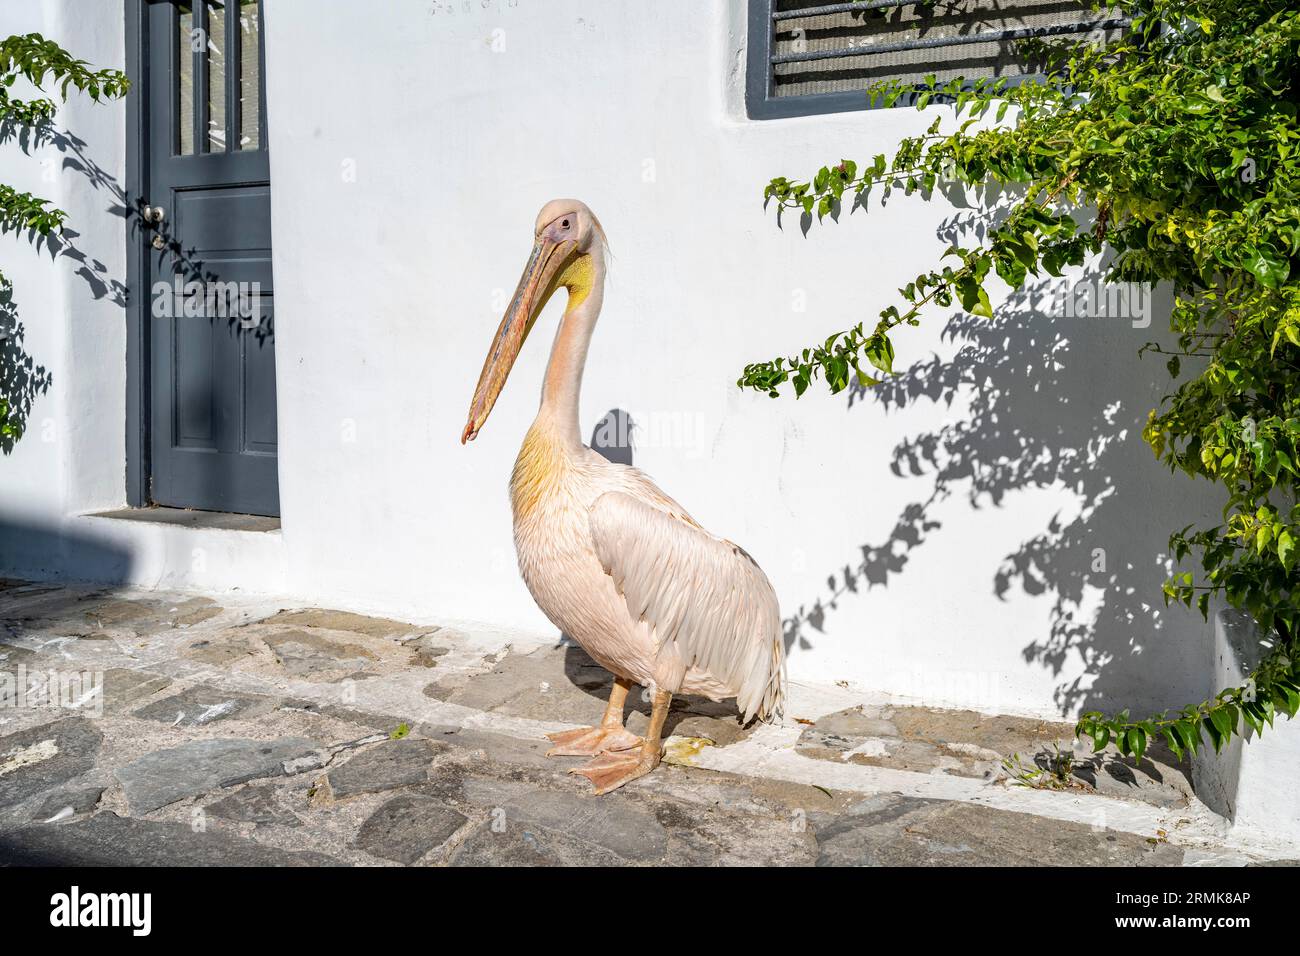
(702,592)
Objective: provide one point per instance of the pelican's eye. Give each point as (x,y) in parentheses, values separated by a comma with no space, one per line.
(563,228)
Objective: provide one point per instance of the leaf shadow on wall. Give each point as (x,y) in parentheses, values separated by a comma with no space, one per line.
(21,378)
(174,256)
(1040,401)
(74,159)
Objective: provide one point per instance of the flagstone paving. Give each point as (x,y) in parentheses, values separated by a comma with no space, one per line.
(192,730)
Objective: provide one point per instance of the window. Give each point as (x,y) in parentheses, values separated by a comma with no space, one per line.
(809,56)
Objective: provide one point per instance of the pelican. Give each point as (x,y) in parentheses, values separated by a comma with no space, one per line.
(609,558)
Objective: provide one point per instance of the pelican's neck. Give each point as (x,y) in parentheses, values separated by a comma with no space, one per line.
(563,385)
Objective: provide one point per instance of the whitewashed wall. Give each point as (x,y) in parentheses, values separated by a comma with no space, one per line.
(69,299)
(412,144)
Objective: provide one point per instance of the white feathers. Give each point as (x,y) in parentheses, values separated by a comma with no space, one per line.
(699,592)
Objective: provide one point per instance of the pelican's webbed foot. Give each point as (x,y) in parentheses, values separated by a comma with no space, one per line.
(609,736)
(611,770)
(590,741)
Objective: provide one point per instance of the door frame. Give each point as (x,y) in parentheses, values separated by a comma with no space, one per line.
(138,357)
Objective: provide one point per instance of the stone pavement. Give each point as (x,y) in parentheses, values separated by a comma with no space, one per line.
(187,731)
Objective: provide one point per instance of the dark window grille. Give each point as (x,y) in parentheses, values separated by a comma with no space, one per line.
(810,56)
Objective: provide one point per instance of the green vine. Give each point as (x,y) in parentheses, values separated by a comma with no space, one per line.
(1175,150)
(41,62)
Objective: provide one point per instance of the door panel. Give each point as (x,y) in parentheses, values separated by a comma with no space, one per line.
(212,355)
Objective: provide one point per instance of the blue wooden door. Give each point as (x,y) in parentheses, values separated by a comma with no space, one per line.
(212,389)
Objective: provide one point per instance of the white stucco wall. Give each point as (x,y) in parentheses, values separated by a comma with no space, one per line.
(1251,783)
(412,144)
(69,298)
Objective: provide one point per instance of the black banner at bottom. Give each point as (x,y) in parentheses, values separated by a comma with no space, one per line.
(216,906)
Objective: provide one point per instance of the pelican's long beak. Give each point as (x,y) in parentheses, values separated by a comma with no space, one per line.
(535,287)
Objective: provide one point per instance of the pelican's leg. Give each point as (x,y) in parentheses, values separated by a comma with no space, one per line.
(610,735)
(610,771)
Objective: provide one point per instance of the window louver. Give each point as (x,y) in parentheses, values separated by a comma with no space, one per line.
(809,56)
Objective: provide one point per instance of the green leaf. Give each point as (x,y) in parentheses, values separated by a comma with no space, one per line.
(972,296)
(1100,738)
(1286,699)
(1137,742)
(1189,733)
(1174,740)
(880,353)
(1268,266)
(1222,720)
(1286,549)
(1216,737)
